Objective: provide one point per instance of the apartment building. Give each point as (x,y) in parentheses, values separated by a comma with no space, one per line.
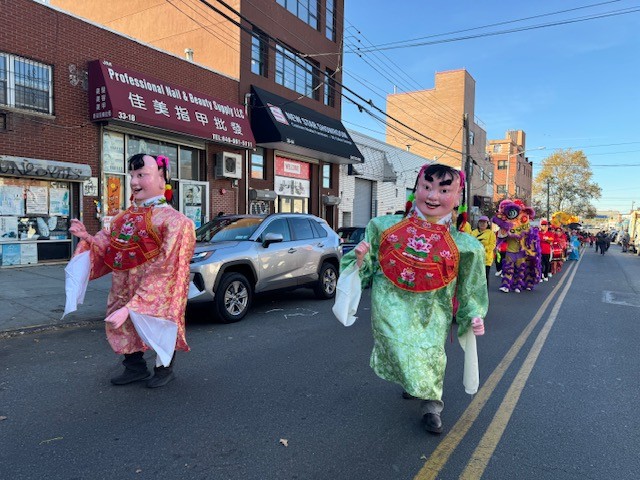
(440,124)
(513,172)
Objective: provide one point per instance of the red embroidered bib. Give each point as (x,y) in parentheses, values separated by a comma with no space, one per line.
(134,240)
(418,256)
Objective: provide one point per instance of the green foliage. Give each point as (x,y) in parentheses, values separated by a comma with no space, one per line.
(566,177)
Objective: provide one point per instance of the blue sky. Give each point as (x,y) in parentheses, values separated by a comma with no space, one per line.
(575,85)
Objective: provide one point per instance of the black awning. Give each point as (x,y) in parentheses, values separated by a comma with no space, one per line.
(288,126)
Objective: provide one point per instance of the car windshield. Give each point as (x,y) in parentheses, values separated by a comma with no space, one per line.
(228,228)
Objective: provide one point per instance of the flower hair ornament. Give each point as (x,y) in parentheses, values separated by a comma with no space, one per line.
(163,163)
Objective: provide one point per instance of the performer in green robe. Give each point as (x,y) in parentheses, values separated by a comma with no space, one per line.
(416,264)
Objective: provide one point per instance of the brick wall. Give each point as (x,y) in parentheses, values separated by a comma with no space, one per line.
(43,34)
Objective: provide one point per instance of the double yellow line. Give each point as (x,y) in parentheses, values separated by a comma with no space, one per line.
(483,452)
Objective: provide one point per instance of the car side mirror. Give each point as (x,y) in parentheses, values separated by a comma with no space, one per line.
(271,237)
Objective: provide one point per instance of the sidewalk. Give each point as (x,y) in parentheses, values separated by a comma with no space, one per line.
(34,297)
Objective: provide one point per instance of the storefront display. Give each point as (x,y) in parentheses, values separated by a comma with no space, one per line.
(34,221)
(186,167)
(292,185)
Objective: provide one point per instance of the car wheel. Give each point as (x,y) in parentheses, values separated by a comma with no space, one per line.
(233,297)
(327,281)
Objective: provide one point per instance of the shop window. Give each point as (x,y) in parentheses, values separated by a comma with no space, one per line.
(184,165)
(114,168)
(257,163)
(326,175)
(25,84)
(189,164)
(34,221)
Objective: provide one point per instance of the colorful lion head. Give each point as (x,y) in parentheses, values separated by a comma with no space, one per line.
(513,218)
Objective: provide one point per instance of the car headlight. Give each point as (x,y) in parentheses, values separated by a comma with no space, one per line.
(201,256)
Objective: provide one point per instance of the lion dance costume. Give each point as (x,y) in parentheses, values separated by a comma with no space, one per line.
(521,265)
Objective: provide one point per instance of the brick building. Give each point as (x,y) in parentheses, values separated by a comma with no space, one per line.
(75,101)
(439,113)
(293,95)
(513,176)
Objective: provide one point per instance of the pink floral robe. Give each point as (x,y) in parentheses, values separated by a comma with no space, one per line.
(156,288)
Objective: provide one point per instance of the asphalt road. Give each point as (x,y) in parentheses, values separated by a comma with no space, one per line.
(288,394)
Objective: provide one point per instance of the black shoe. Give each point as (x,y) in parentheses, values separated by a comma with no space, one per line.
(162,376)
(130,376)
(432,422)
(407,396)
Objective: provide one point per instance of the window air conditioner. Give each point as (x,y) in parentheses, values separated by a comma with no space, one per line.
(229,165)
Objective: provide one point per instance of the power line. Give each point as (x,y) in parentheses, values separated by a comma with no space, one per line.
(614,13)
(397,69)
(506,22)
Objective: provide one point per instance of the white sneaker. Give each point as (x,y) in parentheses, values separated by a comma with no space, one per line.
(529,289)
(517,290)
(546,279)
(550,275)
(504,289)
(498,273)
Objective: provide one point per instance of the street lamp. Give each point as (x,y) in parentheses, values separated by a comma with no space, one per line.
(509,155)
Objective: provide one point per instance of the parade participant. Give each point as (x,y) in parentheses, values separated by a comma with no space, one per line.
(501,249)
(574,246)
(416,263)
(558,248)
(148,249)
(488,240)
(459,218)
(546,239)
(521,265)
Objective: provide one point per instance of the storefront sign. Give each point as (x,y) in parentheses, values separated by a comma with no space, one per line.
(44,169)
(286,125)
(286,167)
(292,187)
(118,93)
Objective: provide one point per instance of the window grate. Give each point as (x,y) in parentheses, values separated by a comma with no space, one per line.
(25,84)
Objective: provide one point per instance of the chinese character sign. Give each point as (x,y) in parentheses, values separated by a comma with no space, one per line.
(119,93)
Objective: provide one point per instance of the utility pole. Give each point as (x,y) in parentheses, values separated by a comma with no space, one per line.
(467,160)
(548,195)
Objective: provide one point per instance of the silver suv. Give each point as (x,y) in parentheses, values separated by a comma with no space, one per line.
(239,255)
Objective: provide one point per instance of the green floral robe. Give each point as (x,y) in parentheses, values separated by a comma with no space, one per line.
(410,329)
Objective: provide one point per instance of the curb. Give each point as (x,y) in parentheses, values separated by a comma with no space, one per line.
(17,332)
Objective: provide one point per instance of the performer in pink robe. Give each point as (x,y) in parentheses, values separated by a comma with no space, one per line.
(148,249)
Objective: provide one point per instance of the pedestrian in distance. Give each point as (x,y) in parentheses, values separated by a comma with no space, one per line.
(416,263)
(147,248)
(487,238)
